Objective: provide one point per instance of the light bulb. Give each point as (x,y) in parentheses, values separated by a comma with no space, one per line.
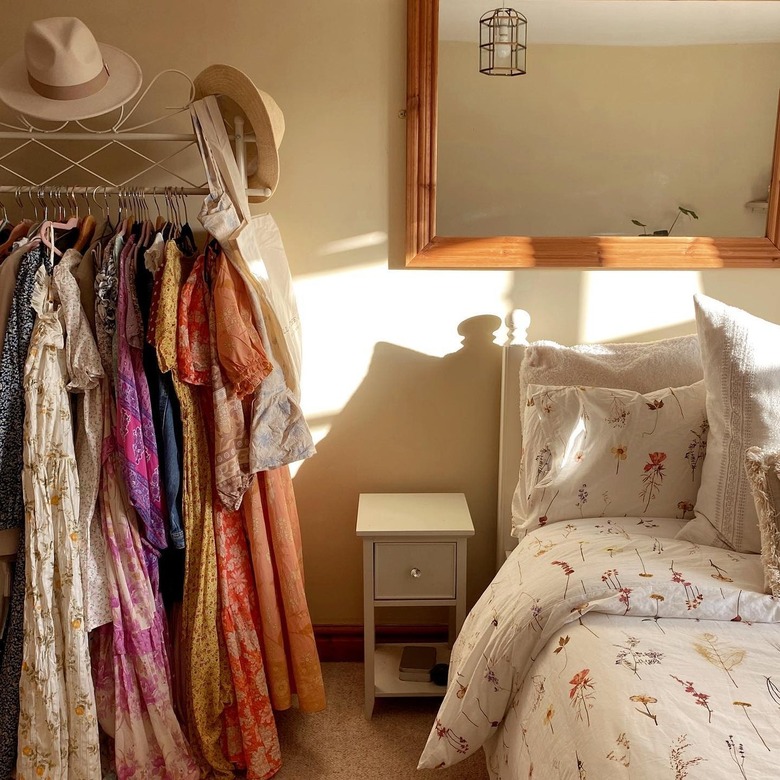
(503,46)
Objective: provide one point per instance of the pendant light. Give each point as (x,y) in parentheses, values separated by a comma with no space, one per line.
(502,42)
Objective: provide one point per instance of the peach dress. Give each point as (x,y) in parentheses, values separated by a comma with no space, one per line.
(271,520)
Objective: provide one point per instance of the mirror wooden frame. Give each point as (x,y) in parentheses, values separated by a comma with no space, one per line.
(424,249)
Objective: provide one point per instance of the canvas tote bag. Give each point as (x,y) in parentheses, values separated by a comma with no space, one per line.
(255,241)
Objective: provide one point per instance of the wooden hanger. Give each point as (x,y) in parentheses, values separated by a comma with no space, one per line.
(19,231)
(87,228)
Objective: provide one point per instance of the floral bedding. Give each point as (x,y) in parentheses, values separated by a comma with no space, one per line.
(607,648)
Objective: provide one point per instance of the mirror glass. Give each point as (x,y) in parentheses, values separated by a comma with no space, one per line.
(631,110)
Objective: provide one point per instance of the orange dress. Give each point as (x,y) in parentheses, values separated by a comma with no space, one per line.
(250,727)
(271,520)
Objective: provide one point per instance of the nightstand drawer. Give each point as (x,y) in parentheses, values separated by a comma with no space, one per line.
(419,570)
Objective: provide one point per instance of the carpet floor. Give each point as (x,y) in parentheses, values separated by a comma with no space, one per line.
(340,743)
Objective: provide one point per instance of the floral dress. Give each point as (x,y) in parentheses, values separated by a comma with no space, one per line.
(19,329)
(231,325)
(203,660)
(132,684)
(86,384)
(252,718)
(135,430)
(58,733)
(271,520)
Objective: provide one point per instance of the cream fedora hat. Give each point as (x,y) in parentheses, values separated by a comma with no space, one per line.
(63,73)
(238,96)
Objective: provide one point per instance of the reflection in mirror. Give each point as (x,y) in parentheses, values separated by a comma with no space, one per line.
(606,235)
(629,111)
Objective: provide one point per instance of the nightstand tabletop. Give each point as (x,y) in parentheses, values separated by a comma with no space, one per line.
(413,514)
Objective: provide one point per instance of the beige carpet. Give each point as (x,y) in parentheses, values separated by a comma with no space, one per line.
(341,743)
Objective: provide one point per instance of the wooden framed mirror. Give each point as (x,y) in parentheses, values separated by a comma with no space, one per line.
(426,249)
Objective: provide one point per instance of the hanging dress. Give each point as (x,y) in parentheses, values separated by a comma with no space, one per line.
(21,321)
(131,680)
(132,685)
(136,436)
(271,521)
(58,733)
(202,664)
(231,324)
(86,384)
(240,619)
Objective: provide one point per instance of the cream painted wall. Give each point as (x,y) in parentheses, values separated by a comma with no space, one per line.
(400,370)
(595,136)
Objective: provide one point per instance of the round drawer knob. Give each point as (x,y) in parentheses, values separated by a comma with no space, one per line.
(416,573)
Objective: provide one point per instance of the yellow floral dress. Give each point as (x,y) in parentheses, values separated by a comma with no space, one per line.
(204,665)
(58,731)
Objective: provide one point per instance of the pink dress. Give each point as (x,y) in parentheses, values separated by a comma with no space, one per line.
(129,658)
(135,427)
(130,663)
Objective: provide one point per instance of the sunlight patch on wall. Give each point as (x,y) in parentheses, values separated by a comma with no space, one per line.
(377,238)
(345,312)
(619,304)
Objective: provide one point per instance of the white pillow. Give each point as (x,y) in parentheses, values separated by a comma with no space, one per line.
(741,357)
(607,452)
(642,366)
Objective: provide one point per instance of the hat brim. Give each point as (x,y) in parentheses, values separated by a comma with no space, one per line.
(123,83)
(238,96)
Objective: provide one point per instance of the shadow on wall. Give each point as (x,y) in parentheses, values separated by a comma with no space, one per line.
(417,423)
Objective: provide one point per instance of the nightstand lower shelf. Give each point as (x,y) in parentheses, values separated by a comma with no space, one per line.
(386,682)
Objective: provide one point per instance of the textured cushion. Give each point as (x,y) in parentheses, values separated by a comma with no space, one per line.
(642,367)
(595,451)
(763,472)
(741,357)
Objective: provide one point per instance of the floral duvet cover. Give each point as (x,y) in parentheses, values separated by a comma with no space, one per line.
(606,648)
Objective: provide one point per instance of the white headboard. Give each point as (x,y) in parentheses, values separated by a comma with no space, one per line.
(510,434)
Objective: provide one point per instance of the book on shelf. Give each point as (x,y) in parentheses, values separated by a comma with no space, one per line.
(416,663)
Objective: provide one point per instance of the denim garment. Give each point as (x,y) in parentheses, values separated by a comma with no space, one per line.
(169,442)
(165,414)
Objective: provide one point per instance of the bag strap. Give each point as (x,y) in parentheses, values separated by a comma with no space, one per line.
(213,178)
(215,138)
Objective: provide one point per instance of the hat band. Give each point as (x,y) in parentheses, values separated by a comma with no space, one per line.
(73,92)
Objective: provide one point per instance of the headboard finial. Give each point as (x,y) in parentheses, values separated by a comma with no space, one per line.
(517,322)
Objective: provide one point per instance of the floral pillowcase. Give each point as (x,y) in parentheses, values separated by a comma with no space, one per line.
(596,452)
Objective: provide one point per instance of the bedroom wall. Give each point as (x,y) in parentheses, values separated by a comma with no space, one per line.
(401,368)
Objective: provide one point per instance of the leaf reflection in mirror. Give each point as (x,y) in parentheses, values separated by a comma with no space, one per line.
(680,210)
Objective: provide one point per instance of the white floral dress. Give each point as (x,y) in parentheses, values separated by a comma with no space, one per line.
(86,376)
(58,733)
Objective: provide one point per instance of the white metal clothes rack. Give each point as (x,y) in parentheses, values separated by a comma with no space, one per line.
(119,135)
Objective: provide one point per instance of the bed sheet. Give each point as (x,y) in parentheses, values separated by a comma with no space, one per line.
(649,656)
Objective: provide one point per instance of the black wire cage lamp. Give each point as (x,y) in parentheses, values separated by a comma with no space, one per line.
(502,42)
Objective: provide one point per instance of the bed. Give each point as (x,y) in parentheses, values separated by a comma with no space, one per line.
(637,643)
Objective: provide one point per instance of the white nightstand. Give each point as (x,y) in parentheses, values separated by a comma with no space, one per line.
(414,554)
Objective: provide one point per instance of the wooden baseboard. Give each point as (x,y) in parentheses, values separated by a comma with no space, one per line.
(345,643)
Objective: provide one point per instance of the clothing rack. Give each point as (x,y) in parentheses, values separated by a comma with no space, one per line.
(117,136)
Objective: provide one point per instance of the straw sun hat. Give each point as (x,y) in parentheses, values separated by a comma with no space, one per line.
(238,96)
(63,73)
